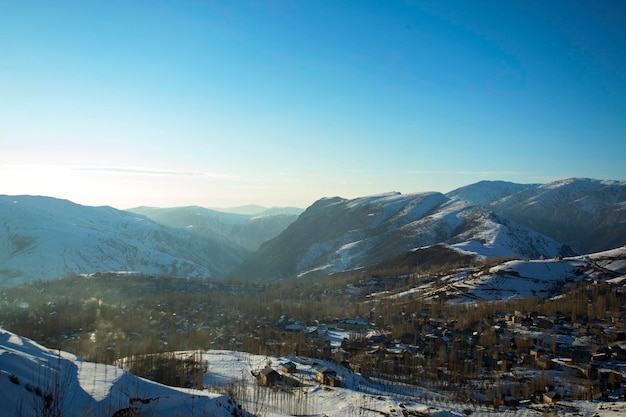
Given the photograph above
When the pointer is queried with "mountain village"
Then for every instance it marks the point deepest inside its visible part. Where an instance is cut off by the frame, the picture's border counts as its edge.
(417, 305)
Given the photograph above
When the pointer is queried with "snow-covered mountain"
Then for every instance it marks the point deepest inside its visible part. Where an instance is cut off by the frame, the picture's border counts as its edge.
(588, 215)
(248, 231)
(484, 193)
(46, 238)
(36, 381)
(336, 234)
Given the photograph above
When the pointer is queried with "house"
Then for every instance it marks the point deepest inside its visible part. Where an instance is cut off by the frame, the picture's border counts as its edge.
(356, 368)
(268, 377)
(323, 374)
(289, 367)
(550, 397)
(480, 398)
(378, 338)
(592, 392)
(536, 351)
(544, 362)
(543, 323)
(333, 381)
(610, 379)
(289, 381)
(353, 324)
(510, 400)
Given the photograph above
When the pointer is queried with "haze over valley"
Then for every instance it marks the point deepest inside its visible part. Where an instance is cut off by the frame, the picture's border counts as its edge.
(151, 289)
(321, 208)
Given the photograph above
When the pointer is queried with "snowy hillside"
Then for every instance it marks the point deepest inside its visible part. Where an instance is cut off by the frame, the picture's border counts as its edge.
(36, 381)
(484, 193)
(523, 278)
(588, 215)
(46, 238)
(337, 234)
(480, 231)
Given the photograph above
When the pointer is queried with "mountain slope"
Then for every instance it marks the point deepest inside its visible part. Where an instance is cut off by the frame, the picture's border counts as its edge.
(36, 381)
(45, 238)
(336, 234)
(484, 193)
(520, 279)
(244, 230)
(588, 215)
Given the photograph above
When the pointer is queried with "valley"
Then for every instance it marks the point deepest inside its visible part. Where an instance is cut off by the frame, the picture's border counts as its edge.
(409, 335)
(414, 305)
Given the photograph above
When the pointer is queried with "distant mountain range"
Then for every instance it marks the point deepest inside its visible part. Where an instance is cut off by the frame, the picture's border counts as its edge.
(246, 227)
(46, 238)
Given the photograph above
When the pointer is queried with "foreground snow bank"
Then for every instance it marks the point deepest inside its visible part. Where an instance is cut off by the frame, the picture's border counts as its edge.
(37, 381)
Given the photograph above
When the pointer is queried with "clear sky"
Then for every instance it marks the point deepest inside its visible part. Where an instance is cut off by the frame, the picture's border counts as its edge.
(225, 103)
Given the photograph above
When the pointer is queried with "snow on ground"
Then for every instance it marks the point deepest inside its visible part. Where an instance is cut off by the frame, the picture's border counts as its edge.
(47, 238)
(514, 279)
(28, 372)
(38, 381)
(475, 247)
(614, 259)
(522, 278)
(357, 396)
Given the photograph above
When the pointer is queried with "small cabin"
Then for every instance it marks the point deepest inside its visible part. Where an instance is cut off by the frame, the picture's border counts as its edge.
(289, 367)
(289, 381)
(268, 377)
(325, 375)
(332, 381)
(550, 397)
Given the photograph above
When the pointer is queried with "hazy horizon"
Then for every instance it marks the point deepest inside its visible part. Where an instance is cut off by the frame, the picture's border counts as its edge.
(238, 207)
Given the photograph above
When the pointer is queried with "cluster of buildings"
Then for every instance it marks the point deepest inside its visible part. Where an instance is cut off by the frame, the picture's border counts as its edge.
(506, 358)
(270, 377)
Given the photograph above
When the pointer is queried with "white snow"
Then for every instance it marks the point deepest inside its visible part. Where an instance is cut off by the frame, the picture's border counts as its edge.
(46, 238)
(100, 390)
(29, 372)
(518, 278)
(392, 223)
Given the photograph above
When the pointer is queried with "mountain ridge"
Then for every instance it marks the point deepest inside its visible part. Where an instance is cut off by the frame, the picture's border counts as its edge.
(47, 238)
(586, 214)
(336, 234)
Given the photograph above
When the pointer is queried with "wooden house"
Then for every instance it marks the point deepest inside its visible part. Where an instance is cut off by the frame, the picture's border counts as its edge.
(550, 397)
(333, 381)
(324, 375)
(268, 377)
(289, 381)
(610, 379)
(289, 367)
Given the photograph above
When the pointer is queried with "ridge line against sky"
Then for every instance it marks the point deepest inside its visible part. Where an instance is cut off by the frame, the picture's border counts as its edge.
(281, 103)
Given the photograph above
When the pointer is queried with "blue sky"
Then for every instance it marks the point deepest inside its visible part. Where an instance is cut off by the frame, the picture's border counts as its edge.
(224, 103)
